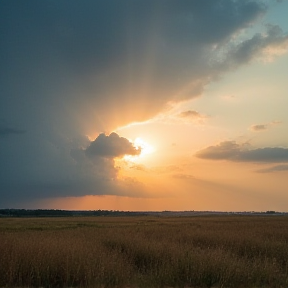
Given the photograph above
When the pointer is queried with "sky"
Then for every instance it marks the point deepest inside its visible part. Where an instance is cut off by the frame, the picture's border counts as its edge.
(144, 105)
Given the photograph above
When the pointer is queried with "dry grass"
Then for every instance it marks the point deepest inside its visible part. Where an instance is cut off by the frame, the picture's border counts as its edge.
(227, 251)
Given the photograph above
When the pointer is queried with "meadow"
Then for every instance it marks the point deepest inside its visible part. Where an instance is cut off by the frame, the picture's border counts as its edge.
(203, 251)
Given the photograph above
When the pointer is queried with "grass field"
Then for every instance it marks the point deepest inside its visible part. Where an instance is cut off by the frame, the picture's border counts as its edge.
(211, 251)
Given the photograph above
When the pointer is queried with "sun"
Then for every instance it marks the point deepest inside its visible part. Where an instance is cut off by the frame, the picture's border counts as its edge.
(145, 147)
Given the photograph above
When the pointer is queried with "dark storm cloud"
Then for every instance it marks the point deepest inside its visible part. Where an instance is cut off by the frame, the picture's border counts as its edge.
(111, 146)
(74, 68)
(66, 53)
(230, 150)
(49, 170)
(5, 131)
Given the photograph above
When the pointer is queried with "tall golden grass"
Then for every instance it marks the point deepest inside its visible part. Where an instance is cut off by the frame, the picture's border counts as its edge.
(226, 251)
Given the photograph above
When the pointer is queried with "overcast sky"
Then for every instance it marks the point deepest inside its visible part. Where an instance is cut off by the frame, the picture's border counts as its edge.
(144, 105)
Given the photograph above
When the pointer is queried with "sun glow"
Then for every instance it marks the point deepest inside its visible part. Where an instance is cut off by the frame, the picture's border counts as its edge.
(146, 149)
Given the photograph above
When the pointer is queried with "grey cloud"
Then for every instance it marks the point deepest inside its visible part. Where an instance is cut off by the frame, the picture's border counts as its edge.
(259, 127)
(277, 168)
(199, 28)
(111, 146)
(230, 150)
(267, 154)
(191, 114)
(224, 150)
(257, 46)
(50, 169)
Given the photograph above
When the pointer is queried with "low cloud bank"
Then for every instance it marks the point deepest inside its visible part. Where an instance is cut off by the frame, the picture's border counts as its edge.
(232, 151)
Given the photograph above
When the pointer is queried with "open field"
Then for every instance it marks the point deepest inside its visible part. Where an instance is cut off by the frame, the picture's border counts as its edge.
(212, 251)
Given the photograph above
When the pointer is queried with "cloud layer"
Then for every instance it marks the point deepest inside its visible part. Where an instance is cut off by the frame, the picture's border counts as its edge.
(102, 65)
(232, 151)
